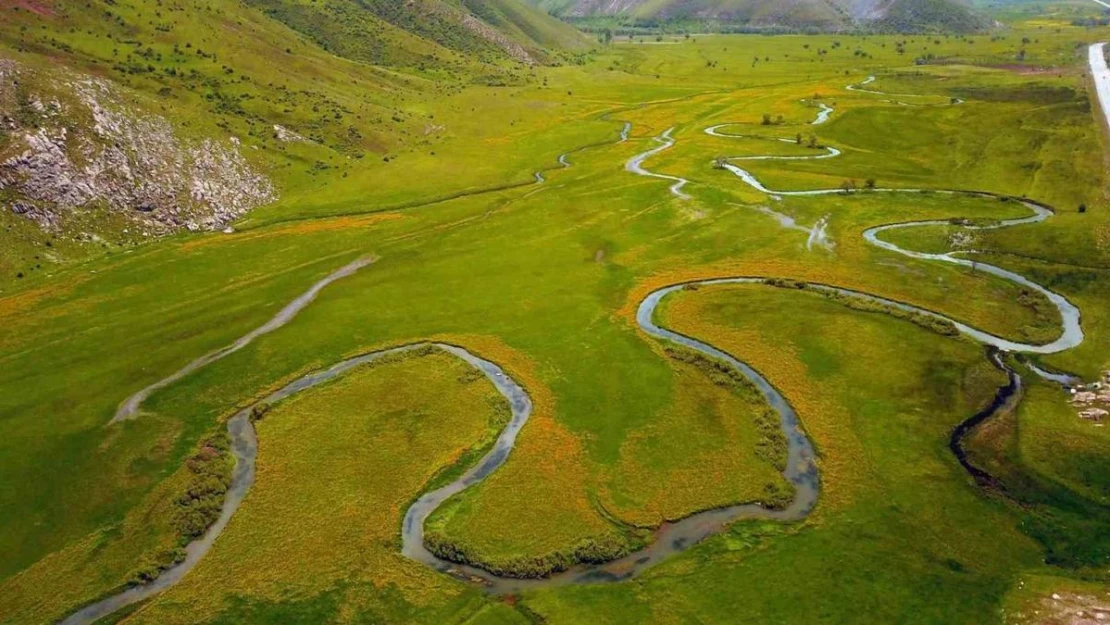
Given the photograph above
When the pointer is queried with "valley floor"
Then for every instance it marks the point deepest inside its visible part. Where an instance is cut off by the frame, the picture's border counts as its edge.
(664, 358)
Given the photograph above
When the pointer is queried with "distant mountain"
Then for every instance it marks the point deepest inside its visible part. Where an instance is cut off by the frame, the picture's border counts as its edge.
(925, 15)
(389, 32)
(894, 15)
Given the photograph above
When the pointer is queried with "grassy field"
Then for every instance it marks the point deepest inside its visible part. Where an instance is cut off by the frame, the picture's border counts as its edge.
(373, 440)
(878, 397)
(543, 279)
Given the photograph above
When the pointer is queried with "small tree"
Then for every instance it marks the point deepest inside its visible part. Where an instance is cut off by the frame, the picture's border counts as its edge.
(848, 186)
(766, 119)
(1082, 208)
(720, 162)
(870, 183)
(812, 141)
(798, 139)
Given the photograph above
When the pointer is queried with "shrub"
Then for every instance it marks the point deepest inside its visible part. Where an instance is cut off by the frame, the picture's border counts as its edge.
(199, 505)
(258, 411)
(593, 550)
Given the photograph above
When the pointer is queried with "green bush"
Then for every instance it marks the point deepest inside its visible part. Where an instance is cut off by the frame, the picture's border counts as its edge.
(199, 505)
(594, 550)
(929, 322)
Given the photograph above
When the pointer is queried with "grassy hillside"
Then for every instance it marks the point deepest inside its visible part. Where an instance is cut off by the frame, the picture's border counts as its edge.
(518, 18)
(297, 91)
(930, 16)
(828, 15)
(425, 33)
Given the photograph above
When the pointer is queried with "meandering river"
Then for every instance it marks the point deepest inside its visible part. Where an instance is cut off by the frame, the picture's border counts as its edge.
(801, 468)
(636, 164)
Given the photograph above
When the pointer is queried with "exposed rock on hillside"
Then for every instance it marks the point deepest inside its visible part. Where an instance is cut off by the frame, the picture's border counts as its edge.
(492, 35)
(283, 134)
(71, 143)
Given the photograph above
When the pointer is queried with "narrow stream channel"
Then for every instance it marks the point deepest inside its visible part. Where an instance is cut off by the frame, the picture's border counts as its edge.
(130, 406)
(636, 164)
(670, 538)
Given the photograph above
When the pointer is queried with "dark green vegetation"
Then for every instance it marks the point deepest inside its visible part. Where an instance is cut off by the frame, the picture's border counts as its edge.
(588, 550)
(1062, 502)
(940, 326)
(198, 505)
(436, 181)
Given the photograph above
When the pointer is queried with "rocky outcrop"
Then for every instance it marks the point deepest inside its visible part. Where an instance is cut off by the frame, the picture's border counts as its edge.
(73, 143)
(497, 38)
(283, 134)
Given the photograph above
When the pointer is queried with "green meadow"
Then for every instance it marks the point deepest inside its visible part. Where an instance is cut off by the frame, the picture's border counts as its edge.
(544, 280)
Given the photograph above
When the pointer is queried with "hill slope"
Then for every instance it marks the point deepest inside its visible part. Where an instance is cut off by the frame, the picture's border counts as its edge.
(898, 15)
(405, 33)
(162, 115)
